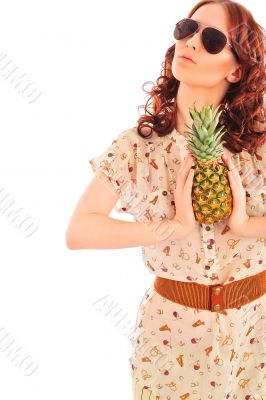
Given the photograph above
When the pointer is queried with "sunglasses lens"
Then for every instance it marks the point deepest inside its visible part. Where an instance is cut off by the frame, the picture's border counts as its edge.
(184, 28)
(213, 40)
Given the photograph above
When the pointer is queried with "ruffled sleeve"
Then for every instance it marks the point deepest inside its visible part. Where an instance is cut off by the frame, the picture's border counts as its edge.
(117, 163)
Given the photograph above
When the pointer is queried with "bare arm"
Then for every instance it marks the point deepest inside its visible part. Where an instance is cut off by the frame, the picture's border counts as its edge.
(96, 231)
(254, 227)
(91, 228)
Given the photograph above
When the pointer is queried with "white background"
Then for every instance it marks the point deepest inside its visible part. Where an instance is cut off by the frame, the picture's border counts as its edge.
(88, 62)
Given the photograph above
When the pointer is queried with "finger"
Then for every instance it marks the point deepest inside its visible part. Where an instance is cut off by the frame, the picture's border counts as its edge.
(188, 159)
(224, 159)
(230, 164)
(227, 161)
(235, 176)
(236, 183)
(232, 180)
(188, 171)
(189, 182)
(182, 176)
(233, 171)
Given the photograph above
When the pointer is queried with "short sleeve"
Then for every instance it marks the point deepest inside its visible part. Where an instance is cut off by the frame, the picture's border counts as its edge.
(261, 159)
(116, 162)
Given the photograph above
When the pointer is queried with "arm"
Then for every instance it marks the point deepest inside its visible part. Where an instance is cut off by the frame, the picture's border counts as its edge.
(98, 231)
(239, 221)
(91, 227)
(254, 227)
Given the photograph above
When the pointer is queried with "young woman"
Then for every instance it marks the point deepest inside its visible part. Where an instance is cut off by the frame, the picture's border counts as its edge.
(200, 328)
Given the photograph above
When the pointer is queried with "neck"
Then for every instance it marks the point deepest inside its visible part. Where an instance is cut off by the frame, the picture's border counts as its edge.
(186, 96)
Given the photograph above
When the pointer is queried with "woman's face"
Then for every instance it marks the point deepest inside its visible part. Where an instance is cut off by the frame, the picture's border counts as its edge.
(210, 69)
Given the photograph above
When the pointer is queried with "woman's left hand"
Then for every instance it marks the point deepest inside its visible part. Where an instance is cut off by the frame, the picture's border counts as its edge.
(238, 218)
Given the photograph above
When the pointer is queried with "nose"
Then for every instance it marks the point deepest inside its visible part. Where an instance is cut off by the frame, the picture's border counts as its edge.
(194, 41)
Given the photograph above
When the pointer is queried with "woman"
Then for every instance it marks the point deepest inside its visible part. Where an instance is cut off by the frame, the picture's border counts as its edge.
(180, 351)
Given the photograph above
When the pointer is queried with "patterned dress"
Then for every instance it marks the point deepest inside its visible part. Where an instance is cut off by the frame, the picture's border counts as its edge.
(178, 352)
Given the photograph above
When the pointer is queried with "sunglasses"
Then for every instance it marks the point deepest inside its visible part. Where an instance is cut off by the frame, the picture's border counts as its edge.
(214, 40)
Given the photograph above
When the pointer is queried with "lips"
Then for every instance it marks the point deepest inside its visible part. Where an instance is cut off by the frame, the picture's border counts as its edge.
(188, 58)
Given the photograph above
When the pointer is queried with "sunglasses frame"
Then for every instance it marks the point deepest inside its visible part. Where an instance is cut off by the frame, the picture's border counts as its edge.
(199, 29)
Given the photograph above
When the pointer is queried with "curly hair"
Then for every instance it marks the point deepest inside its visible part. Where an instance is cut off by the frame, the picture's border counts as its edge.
(243, 106)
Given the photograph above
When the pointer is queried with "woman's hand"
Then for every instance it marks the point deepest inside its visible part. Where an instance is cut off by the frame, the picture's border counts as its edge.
(238, 218)
(184, 217)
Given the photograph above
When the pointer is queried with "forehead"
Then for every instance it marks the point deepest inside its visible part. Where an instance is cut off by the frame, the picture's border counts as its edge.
(214, 15)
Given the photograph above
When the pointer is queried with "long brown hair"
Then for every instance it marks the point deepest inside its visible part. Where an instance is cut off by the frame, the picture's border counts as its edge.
(243, 104)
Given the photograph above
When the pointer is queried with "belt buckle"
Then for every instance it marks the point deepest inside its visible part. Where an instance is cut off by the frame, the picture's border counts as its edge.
(217, 298)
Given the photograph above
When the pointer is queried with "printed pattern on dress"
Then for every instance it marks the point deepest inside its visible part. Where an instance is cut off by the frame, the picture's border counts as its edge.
(181, 353)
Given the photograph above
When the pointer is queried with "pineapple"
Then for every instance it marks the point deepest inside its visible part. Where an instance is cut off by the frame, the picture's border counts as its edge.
(211, 192)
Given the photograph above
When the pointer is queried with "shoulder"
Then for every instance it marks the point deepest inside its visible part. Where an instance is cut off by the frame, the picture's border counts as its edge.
(127, 139)
(130, 140)
(131, 135)
(261, 152)
(260, 156)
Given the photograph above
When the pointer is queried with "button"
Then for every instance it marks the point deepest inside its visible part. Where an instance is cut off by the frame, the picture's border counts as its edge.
(208, 228)
(217, 307)
(209, 246)
(164, 192)
(217, 290)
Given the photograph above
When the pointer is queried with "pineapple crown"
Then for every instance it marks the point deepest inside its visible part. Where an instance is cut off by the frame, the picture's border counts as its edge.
(204, 141)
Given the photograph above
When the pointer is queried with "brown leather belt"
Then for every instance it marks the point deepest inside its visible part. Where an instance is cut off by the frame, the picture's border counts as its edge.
(216, 298)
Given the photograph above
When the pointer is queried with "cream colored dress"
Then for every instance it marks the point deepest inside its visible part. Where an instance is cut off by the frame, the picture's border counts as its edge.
(179, 352)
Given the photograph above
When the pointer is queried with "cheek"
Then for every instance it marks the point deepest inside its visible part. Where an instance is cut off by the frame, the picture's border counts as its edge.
(210, 69)
(218, 64)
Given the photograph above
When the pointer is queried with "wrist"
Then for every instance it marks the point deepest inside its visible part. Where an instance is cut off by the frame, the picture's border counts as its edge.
(245, 227)
(180, 229)
(241, 227)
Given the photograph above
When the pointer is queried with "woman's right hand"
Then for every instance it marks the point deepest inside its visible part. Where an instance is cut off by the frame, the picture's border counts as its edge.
(184, 219)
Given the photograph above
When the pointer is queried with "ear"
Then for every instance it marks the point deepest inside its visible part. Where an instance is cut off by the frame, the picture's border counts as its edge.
(236, 75)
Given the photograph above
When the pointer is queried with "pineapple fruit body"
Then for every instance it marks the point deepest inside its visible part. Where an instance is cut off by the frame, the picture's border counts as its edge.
(211, 192)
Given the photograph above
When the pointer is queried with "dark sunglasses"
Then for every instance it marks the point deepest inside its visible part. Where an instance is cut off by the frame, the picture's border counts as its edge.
(213, 39)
